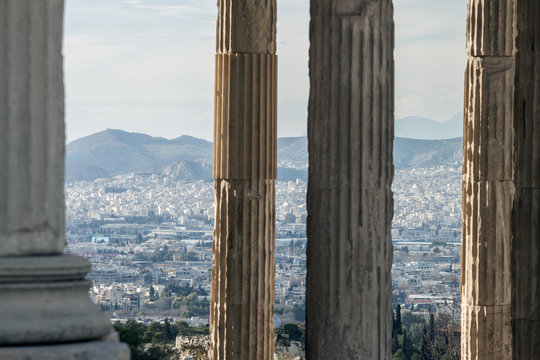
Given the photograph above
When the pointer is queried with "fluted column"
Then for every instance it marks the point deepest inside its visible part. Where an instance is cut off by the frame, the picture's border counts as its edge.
(245, 148)
(501, 240)
(488, 187)
(350, 206)
(32, 136)
(43, 293)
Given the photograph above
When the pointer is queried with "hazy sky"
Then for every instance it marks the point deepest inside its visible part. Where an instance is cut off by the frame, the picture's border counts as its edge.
(148, 65)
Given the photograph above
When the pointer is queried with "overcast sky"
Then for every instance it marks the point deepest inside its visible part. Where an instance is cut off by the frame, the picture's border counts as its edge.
(148, 65)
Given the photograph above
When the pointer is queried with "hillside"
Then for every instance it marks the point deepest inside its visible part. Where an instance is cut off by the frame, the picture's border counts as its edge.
(293, 152)
(113, 152)
(414, 153)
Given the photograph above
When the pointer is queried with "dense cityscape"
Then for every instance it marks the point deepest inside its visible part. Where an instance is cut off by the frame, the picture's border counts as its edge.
(149, 238)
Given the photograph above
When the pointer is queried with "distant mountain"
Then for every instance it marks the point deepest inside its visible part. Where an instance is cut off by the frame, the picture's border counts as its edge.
(292, 152)
(113, 152)
(414, 127)
(414, 153)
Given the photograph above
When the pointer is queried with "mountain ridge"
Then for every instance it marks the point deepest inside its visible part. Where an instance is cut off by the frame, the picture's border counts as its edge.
(421, 128)
(113, 152)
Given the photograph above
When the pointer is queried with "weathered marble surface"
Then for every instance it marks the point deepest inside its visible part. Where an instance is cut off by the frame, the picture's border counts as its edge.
(349, 201)
(245, 134)
(501, 175)
(246, 27)
(32, 128)
(245, 149)
(43, 293)
(46, 301)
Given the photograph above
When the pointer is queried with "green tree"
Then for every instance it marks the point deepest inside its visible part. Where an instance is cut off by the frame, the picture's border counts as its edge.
(294, 332)
(425, 347)
(184, 329)
(395, 342)
(151, 330)
(177, 302)
(398, 355)
(405, 346)
(431, 338)
(153, 295)
(191, 300)
(131, 334)
(167, 330)
(157, 352)
(159, 338)
(397, 327)
(431, 335)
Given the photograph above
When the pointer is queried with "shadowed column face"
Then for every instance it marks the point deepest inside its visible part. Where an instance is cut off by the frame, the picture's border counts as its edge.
(526, 211)
(350, 207)
(245, 148)
(501, 241)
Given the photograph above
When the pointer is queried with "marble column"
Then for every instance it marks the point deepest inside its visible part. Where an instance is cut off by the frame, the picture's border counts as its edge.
(245, 148)
(501, 240)
(349, 201)
(43, 293)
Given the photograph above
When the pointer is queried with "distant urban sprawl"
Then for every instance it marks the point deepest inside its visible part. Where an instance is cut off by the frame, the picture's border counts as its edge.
(149, 237)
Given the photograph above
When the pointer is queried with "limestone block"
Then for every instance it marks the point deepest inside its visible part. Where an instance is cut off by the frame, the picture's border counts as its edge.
(488, 131)
(243, 274)
(246, 26)
(31, 128)
(487, 242)
(245, 133)
(192, 347)
(51, 307)
(92, 350)
(490, 28)
(486, 332)
(527, 123)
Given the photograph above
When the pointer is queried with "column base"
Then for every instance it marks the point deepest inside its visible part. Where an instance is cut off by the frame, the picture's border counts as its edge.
(98, 350)
(44, 300)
